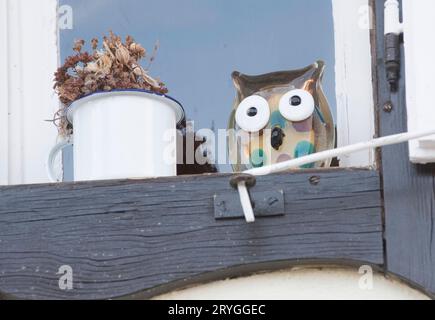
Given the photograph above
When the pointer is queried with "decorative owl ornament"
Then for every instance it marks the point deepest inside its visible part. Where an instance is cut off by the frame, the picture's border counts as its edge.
(278, 117)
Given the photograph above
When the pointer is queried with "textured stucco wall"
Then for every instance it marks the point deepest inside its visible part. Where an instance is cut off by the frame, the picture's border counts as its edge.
(301, 283)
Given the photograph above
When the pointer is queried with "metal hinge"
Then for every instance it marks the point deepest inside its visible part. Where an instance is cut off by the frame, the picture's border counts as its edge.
(393, 38)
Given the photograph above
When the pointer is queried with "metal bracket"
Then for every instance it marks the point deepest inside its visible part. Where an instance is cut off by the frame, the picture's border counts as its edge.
(265, 204)
(393, 37)
(392, 60)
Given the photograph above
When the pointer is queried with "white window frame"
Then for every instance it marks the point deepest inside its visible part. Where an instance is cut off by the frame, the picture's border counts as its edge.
(28, 59)
(418, 28)
(353, 21)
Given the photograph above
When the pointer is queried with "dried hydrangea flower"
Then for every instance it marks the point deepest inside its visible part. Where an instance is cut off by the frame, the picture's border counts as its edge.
(114, 66)
(94, 43)
(122, 54)
(78, 45)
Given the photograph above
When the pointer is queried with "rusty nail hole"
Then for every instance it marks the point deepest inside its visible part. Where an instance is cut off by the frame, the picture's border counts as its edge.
(315, 180)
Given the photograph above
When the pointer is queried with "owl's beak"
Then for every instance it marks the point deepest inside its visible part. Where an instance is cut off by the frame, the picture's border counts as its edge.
(277, 138)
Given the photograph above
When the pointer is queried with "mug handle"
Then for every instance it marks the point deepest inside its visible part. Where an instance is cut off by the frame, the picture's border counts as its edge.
(53, 154)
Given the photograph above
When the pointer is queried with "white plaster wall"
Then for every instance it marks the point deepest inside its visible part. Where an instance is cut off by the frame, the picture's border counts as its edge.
(300, 284)
(28, 60)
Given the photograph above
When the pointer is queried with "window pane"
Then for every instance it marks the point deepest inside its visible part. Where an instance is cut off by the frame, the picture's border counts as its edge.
(203, 42)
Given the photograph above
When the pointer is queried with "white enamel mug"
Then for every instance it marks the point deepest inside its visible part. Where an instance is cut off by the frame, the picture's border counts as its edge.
(122, 134)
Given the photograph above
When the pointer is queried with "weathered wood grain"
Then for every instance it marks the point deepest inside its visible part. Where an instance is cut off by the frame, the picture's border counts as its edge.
(139, 238)
(409, 192)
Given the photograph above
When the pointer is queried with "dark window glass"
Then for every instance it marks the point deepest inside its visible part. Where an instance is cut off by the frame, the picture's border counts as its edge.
(203, 41)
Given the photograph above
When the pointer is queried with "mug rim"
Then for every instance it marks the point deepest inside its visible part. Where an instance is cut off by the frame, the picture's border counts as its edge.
(176, 105)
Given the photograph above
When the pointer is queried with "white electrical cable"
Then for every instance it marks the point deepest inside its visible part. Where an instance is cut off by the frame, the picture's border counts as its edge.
(246, 202)
(320, 156)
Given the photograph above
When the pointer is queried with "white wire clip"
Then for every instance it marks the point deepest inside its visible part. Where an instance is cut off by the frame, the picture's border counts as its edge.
(245, 200)
(247, 178)
(242, 182)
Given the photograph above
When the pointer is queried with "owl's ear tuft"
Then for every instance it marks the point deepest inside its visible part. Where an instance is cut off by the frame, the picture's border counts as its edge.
(243, 84)
(236, 76)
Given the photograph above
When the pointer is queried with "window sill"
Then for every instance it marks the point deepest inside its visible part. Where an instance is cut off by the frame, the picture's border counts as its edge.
(139, 238)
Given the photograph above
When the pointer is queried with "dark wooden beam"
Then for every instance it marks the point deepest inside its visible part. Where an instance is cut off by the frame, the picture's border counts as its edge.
(140, 238)
(408, 189)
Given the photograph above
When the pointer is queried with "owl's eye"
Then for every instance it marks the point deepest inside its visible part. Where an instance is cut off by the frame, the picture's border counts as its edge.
(253, 114)
(297, 105)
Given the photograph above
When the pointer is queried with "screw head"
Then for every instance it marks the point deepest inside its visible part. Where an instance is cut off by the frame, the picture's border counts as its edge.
(388, 107)
(315, 180)
(272, 200)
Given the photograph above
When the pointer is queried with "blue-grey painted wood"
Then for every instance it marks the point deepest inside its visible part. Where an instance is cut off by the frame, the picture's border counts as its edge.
(409, 191)
(140, 238)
